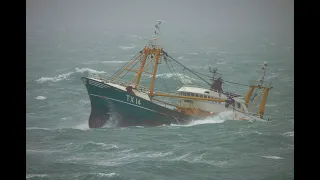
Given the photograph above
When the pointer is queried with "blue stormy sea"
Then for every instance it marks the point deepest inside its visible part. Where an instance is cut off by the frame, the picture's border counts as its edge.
(59, 144)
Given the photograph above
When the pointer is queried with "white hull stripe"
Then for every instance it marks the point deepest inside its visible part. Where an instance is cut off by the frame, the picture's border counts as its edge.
(98, 84)
(127, 103)
(94, 82)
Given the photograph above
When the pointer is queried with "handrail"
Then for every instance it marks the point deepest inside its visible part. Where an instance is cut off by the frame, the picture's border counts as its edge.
(107, 79)
(122, 82)
(223, 92)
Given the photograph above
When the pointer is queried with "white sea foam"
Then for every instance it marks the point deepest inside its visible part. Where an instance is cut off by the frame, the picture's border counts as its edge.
(272, 157)
(182, 156)
(159, 154)
(127, 156)
(112, 62)
(108, 146)
(180, 57)
(66, 118)
(41, 97)
(83, 127)
(28, 176)
(272, 76)
(219, 118)
(198, 159)
(67, 75)
(106, 175)
(82, 70)
(288, 134)
(36, 128)
(126, 47)
(182, 77)
(258, 132)
(84, 102)
(54, 79)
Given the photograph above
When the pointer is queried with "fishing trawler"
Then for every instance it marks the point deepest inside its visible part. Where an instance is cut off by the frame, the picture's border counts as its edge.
(129, 103)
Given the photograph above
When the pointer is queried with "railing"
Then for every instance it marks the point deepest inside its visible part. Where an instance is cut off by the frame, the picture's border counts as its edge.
(121, 82)
(232, 95)
(141, 88)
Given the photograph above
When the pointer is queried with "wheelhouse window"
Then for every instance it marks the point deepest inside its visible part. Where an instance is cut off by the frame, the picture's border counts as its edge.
(239, 106)
(206, 92)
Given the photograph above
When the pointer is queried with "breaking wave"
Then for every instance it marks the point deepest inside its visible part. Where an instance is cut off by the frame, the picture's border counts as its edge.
(82, 70)
(84, 126)
(219, 118)
(54, 79)
(67, 75)
(178, 76)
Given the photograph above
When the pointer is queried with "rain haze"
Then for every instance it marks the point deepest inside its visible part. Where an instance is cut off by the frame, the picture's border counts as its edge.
(68, 39)
(214, 19)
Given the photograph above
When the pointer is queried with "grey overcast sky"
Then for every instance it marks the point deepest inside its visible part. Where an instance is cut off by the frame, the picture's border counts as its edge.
(271, 14)
(237, 17)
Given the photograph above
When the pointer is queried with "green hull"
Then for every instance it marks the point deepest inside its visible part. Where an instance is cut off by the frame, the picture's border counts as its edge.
(112, 104)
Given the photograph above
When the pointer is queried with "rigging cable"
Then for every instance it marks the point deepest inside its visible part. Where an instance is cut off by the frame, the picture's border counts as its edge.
(187, 68)
(195, 73)
(176, 74)
(222, 80)
(125, 64)
(130, 69)
(164, 82)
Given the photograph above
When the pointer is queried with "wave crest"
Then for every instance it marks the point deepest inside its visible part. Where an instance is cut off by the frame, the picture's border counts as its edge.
(67, 75)
(178, 76)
